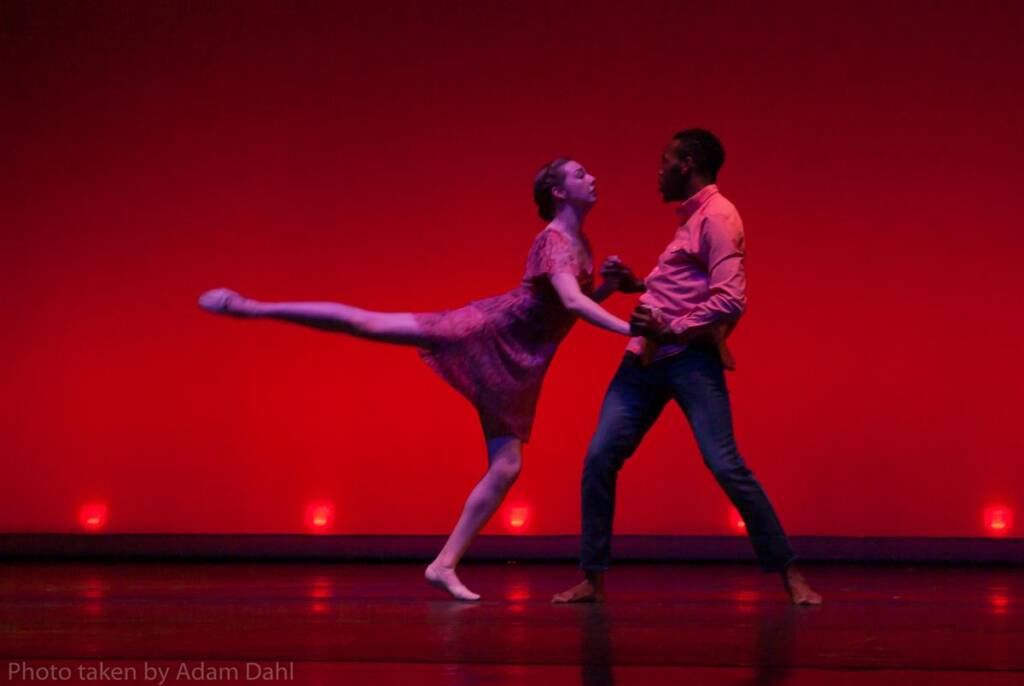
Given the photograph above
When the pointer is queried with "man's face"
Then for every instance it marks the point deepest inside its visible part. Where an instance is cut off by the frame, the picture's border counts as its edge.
(672, 175)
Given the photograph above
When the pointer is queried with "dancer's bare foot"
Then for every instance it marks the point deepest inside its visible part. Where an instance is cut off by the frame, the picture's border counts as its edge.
(590, 590)
(799, 591)
(225, 301)
(445, 579)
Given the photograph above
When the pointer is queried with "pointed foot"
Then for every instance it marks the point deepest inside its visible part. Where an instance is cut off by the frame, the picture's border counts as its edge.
(446, 579)
(224, 301)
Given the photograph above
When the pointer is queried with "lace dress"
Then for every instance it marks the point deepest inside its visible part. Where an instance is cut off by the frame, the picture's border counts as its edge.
(495, 351)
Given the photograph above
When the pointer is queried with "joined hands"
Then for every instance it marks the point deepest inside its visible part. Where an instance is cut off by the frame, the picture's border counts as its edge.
(620, 277)
(651, 325)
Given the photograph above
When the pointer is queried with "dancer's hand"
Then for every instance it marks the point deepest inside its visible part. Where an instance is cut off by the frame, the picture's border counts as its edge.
(649, 324)
(620, 277)
(225, 301)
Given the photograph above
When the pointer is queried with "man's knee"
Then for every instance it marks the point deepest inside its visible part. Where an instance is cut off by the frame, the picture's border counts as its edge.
(728, 466)
(605, 457)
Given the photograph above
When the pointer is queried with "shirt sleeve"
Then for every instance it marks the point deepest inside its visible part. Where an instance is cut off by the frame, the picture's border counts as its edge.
(722, 250)
(553, 253)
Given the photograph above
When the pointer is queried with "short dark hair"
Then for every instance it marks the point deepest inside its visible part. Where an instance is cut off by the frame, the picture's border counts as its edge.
(704, 148)
(549, 176)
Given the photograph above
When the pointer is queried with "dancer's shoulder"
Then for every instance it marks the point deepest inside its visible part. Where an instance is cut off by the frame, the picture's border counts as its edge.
(552, 251)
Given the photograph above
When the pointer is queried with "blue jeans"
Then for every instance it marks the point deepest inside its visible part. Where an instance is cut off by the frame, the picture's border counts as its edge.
(695, 379)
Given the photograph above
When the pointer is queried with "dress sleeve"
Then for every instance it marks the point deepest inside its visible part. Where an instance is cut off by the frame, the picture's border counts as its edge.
(552, 253)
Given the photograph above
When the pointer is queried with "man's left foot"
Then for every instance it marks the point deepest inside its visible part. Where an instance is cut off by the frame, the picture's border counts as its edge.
(799, 591)
(583, 592)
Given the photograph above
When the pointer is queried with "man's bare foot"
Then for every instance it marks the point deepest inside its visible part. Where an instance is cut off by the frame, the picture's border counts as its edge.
(445, 579)
(225, 301)
(583, 592)
(799, 591)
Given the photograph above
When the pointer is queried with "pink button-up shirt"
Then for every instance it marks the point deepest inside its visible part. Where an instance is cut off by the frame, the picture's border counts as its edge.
(699, 278)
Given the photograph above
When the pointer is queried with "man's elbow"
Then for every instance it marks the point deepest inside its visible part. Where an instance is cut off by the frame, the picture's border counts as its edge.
(731, 305)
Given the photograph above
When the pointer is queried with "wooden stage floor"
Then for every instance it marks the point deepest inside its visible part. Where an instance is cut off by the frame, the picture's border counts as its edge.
(348, 623)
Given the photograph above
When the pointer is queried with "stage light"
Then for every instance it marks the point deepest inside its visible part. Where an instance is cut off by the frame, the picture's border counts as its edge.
(320, 516)
(320, 591)
(518, 593)
(94, 590)
(736, 521)
(746, 600)
(518, 518)
(999, 602)
(998, 520)
(321, 588)
(92, 516)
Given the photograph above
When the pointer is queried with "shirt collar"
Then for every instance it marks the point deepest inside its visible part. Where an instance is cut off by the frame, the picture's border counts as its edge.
(689, 207)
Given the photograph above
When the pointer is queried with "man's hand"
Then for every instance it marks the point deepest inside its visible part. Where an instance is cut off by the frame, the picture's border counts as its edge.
(620, 277)
(648, 324)
(651, 326)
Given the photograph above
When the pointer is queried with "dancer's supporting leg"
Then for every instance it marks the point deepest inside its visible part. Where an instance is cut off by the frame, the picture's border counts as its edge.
(700, 389)
(504, 456)
(634, 400)
(388, 327)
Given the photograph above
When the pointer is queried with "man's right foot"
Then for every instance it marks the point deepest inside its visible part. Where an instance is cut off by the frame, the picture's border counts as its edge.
(445, 579)
(583, 592)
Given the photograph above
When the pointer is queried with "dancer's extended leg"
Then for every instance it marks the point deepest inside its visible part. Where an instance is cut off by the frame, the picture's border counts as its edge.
(505, 459)
(389, 327)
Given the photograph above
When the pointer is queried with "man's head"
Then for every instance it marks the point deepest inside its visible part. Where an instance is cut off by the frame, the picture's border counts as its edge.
(690, 161)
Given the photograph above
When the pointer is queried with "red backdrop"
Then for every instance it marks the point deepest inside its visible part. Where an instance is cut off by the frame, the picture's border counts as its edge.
(382, 155)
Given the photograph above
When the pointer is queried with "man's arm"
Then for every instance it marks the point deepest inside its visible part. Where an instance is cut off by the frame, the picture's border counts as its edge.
(722, 250)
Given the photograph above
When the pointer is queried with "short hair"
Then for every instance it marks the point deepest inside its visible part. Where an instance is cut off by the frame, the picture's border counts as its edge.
(549, 176)
(704, 148)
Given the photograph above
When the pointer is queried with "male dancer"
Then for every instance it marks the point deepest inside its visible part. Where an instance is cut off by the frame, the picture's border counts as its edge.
(694, 297)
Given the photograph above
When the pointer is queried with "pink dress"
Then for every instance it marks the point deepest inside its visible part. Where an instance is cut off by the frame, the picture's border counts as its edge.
(495, 351)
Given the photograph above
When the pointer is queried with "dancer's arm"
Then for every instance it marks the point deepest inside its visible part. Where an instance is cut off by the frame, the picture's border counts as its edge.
(602, 292)
(577, 302)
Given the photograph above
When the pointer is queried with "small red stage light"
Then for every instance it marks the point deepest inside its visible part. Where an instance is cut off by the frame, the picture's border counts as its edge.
(320, 517)
(736, 521)
(518, 517)
(998, 520)
(92, 516)
(999, 603)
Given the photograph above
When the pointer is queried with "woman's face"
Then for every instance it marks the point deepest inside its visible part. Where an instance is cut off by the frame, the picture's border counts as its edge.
(578, 187)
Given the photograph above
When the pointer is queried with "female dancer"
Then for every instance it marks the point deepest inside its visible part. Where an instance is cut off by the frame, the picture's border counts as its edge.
(494, 351)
